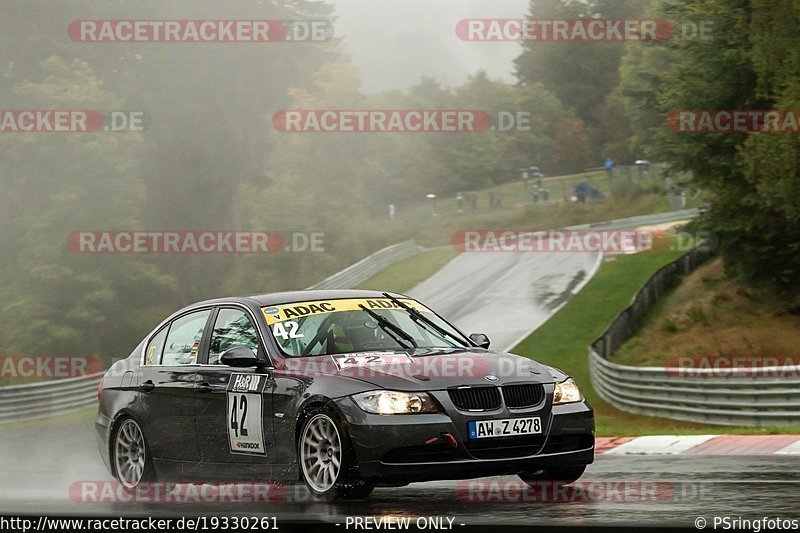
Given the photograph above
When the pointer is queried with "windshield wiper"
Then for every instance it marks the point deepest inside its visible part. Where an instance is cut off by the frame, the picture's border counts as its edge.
(389, 327)
(418, 317)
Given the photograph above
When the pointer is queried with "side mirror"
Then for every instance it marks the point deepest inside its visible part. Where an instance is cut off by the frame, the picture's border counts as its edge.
(239, 357)
(480, 339)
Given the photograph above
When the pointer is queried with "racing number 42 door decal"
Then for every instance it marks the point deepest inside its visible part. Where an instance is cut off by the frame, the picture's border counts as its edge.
(245, 418)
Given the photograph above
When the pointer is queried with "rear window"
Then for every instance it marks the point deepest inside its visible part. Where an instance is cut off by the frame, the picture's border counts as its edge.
(152, 354)
(183, 340)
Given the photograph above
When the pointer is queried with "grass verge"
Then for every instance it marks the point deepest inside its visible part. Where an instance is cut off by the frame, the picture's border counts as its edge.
(709, 315)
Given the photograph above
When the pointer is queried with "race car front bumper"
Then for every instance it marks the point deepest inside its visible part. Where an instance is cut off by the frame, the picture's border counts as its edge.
(423, 447)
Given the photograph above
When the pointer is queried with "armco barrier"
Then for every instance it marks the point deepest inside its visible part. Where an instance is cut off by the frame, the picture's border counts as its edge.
(368, 267)
(40, 400)
(698, 395)
(685, 394)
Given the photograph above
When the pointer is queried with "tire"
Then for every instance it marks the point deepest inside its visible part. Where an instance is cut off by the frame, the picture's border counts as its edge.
(133, 464)
(327, 462)
(559, 476)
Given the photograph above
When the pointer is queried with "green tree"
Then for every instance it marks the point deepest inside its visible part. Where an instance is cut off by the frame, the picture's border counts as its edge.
(57, 301)
(751, 63)
(582, 74)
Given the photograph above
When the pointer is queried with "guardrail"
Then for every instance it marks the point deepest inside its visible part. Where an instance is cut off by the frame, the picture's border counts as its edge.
(698, 395)
(685, 394)
(368, 267)
(40, 400)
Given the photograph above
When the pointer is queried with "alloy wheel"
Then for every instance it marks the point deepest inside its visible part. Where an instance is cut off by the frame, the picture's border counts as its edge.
(321, 453)
(129, 453)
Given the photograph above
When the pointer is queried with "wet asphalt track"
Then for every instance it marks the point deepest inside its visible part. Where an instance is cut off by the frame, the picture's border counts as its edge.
(656, 490)
(505, 295)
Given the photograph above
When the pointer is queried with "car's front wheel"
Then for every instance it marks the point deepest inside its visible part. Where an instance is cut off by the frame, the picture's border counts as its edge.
(559, 476)
(132, 462)
(326, 457)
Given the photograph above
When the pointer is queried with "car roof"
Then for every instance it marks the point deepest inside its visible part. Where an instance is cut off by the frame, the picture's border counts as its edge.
(278, 298)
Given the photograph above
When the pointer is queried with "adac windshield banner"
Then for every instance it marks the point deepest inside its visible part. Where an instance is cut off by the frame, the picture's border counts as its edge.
(279, 313)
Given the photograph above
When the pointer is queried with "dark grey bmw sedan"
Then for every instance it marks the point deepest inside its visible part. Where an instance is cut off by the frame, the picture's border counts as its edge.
(341, 390)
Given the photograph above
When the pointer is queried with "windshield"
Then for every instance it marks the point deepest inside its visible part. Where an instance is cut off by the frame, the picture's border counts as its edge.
(329, 327)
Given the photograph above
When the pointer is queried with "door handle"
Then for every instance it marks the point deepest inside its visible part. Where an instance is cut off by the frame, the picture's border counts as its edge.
(148, 385)
(204, 388)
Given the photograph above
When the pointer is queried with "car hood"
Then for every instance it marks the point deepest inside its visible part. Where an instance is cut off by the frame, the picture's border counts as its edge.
(426, 369)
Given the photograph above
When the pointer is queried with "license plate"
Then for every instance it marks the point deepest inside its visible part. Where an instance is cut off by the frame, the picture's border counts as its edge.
(510, 427)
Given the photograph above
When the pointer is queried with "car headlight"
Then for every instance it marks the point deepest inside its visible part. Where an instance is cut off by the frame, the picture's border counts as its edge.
(566, 392)
(396, 403)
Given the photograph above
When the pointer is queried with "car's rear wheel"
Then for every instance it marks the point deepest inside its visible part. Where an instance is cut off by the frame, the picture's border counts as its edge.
(327, 461)
(559, 476)
(132, 462)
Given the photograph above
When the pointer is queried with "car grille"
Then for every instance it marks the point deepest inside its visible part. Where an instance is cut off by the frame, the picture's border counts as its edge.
(519, 396)
(476, 398)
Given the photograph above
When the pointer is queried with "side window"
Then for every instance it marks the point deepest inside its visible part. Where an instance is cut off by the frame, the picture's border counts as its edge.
(232, 328)
(183, 340)
(152, 354)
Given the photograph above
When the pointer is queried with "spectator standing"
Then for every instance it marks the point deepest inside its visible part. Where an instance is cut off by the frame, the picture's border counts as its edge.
(609, 165)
